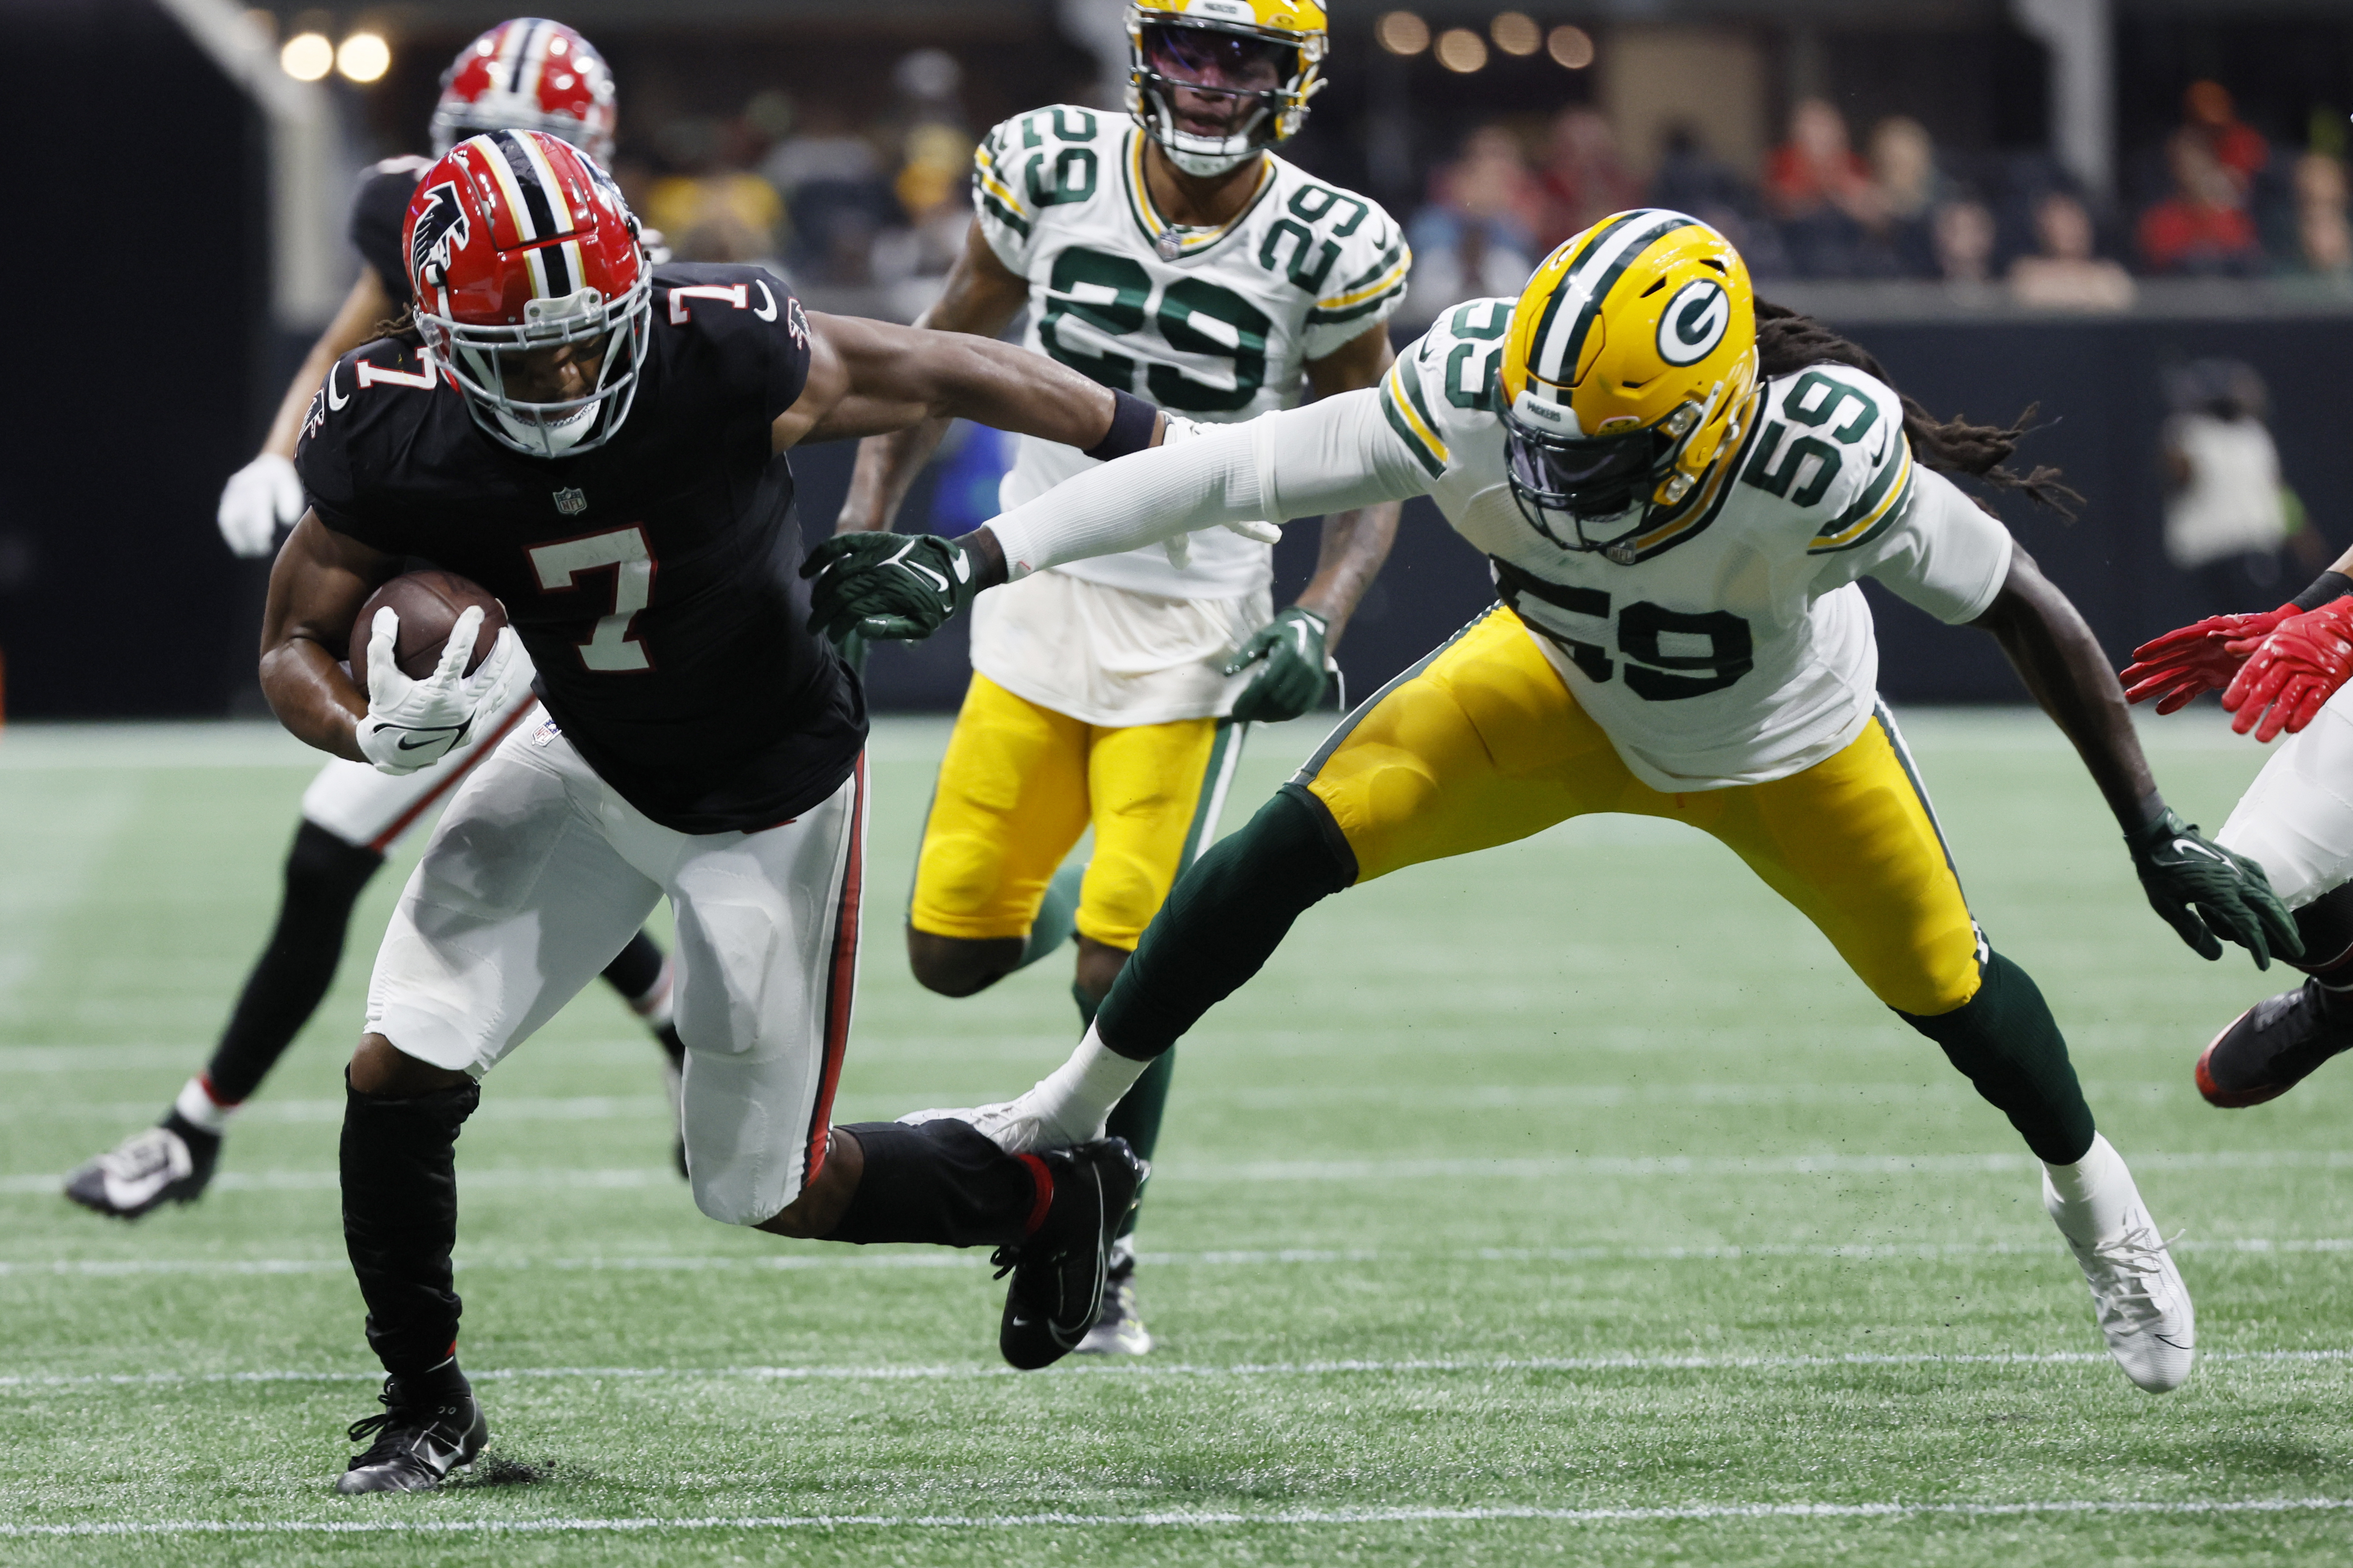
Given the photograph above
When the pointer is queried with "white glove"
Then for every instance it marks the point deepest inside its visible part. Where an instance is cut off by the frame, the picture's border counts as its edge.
(260, 499)
(1179, 547)
(413, 725)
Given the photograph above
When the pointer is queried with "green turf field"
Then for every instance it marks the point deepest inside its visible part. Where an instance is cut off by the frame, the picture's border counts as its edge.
(1565, 1202)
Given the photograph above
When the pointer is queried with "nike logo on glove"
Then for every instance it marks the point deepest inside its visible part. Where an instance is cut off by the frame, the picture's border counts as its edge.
(431, 737)
(2194, 847)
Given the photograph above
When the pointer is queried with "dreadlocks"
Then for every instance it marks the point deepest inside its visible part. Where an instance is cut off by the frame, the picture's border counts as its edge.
(1788, 343)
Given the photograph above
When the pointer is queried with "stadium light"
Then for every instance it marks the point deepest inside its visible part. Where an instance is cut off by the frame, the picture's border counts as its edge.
(1460, 50)
(1402, 33)
(363, 58)
(1570, 46)
(307, 57)
(1515, 33)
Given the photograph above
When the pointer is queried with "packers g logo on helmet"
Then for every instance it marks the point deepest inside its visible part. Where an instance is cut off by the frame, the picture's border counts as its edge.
(1265, 57)
(1626, 379)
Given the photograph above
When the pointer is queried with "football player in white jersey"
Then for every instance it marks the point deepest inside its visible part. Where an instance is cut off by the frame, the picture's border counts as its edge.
(1677, 506)
(1170, 252)
(2283, 669)
(528, 74)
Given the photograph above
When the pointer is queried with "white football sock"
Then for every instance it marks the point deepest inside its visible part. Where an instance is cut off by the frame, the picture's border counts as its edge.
(2095, 1192)
(198, 1107)
(1078, 1096)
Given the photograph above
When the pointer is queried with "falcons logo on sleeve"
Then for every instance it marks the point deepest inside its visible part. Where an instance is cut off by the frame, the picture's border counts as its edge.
(440, 229)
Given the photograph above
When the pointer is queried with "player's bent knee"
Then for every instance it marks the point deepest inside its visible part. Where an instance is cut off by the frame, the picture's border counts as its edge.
(961, 965)
(819, 1206)
(380, 1068)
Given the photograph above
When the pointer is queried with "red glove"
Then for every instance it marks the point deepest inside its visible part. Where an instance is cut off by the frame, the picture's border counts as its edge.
(2180, 665)
(2292, 670)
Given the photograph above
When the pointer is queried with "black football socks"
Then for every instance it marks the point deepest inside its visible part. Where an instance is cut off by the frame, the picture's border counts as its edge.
(942, 1183)
(2005, 1041)
(400, 1219)
(323, 879)
(1226, 916)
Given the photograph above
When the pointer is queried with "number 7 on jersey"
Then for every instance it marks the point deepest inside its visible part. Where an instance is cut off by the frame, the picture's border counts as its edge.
(623, 550)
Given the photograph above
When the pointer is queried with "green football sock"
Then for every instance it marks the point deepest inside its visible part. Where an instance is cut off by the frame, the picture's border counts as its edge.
(1057, 916)
(1136, 1117)
(2006, 1042)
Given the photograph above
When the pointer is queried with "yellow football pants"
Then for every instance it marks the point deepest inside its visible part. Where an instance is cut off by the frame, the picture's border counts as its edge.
(1020, 783)
(1482, 744)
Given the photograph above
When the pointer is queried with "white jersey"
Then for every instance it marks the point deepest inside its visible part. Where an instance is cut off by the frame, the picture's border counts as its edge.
(1214, 324)
(1729, 643)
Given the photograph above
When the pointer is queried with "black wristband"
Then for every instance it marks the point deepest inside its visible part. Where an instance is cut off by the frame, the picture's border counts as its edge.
(2326, 589)
(1133, 420)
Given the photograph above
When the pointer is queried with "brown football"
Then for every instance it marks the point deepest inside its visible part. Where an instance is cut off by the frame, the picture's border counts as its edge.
(429, 605)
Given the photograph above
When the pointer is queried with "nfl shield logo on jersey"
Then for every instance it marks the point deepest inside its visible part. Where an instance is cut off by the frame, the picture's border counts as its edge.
(570, 502)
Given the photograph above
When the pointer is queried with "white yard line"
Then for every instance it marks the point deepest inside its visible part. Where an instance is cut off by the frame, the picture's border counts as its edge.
(1296, 1257)
(546, 1179)
(1207, 1373)
(1195, 1519)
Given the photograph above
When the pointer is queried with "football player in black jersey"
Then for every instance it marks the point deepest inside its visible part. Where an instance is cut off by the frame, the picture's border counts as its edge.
(601, 445)
(523, 74)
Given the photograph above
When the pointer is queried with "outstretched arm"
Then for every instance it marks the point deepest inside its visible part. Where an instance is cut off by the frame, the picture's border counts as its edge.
(868, 378)
(2062, 665)
(265, 496)
(981, 297)
(1355, 540)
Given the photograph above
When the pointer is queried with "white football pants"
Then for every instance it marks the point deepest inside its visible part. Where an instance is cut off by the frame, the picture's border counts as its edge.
(537, 875)
(2296, 819)
(372, 810)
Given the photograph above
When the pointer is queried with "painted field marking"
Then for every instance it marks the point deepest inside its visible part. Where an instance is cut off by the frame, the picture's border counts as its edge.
(1190, 1519)
(790, 1263)
(1361, 1171)
(1245, 1371)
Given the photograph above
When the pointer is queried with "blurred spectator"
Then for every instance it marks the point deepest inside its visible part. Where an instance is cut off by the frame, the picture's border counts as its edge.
(2324, 236)
(709, 208)
(1906, 185)
(1584, 180)
(1962, 230)
(1821, 193)
(1477, 235)
(2063, 274)
(934, 190)
(1691, 179)
(2209, 113)
(2202, 227)
(833, 183)
(2227, 514)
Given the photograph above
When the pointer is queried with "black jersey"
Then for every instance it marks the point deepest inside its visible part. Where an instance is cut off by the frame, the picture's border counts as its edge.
(655, 579)
(379, 207)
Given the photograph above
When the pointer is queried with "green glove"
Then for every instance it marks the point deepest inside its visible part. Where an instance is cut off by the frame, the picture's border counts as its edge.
(852, 650)
(2179, 868)
(1293, 680)
(888, 585)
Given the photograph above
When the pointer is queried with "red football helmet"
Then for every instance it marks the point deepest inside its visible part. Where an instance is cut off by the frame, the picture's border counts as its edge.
(519, 247)
(528, 75)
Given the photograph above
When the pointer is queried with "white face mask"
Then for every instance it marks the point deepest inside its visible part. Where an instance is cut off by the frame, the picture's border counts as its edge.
(555, 437)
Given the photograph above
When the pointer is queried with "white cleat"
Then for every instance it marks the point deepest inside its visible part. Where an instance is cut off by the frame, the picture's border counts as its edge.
(2138, 1294)
(1022, 1126)
(152, 1167)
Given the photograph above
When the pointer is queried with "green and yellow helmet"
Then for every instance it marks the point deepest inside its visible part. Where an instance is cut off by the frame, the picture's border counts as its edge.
(1260, 60)
(1627, 377)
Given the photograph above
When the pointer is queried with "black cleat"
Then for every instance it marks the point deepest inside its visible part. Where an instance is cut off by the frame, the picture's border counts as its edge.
(1119, 1324)
(2270, 1048)
(1059, 1271)
(416, 1445)
(168, 1163)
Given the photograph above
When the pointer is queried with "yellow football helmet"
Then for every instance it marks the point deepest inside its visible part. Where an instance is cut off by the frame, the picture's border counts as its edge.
(1627, 375)
(1269, 51)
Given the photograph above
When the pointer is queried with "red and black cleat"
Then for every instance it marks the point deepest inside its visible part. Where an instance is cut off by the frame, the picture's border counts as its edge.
(2270, 1048)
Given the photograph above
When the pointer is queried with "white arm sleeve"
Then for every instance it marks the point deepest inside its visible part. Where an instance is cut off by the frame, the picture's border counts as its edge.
(1329, 456)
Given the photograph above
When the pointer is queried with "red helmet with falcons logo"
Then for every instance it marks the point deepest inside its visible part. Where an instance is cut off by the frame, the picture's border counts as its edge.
(528, 74)
(532, 290)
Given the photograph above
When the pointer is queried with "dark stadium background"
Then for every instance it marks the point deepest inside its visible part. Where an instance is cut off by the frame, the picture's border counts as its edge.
(145, 362)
